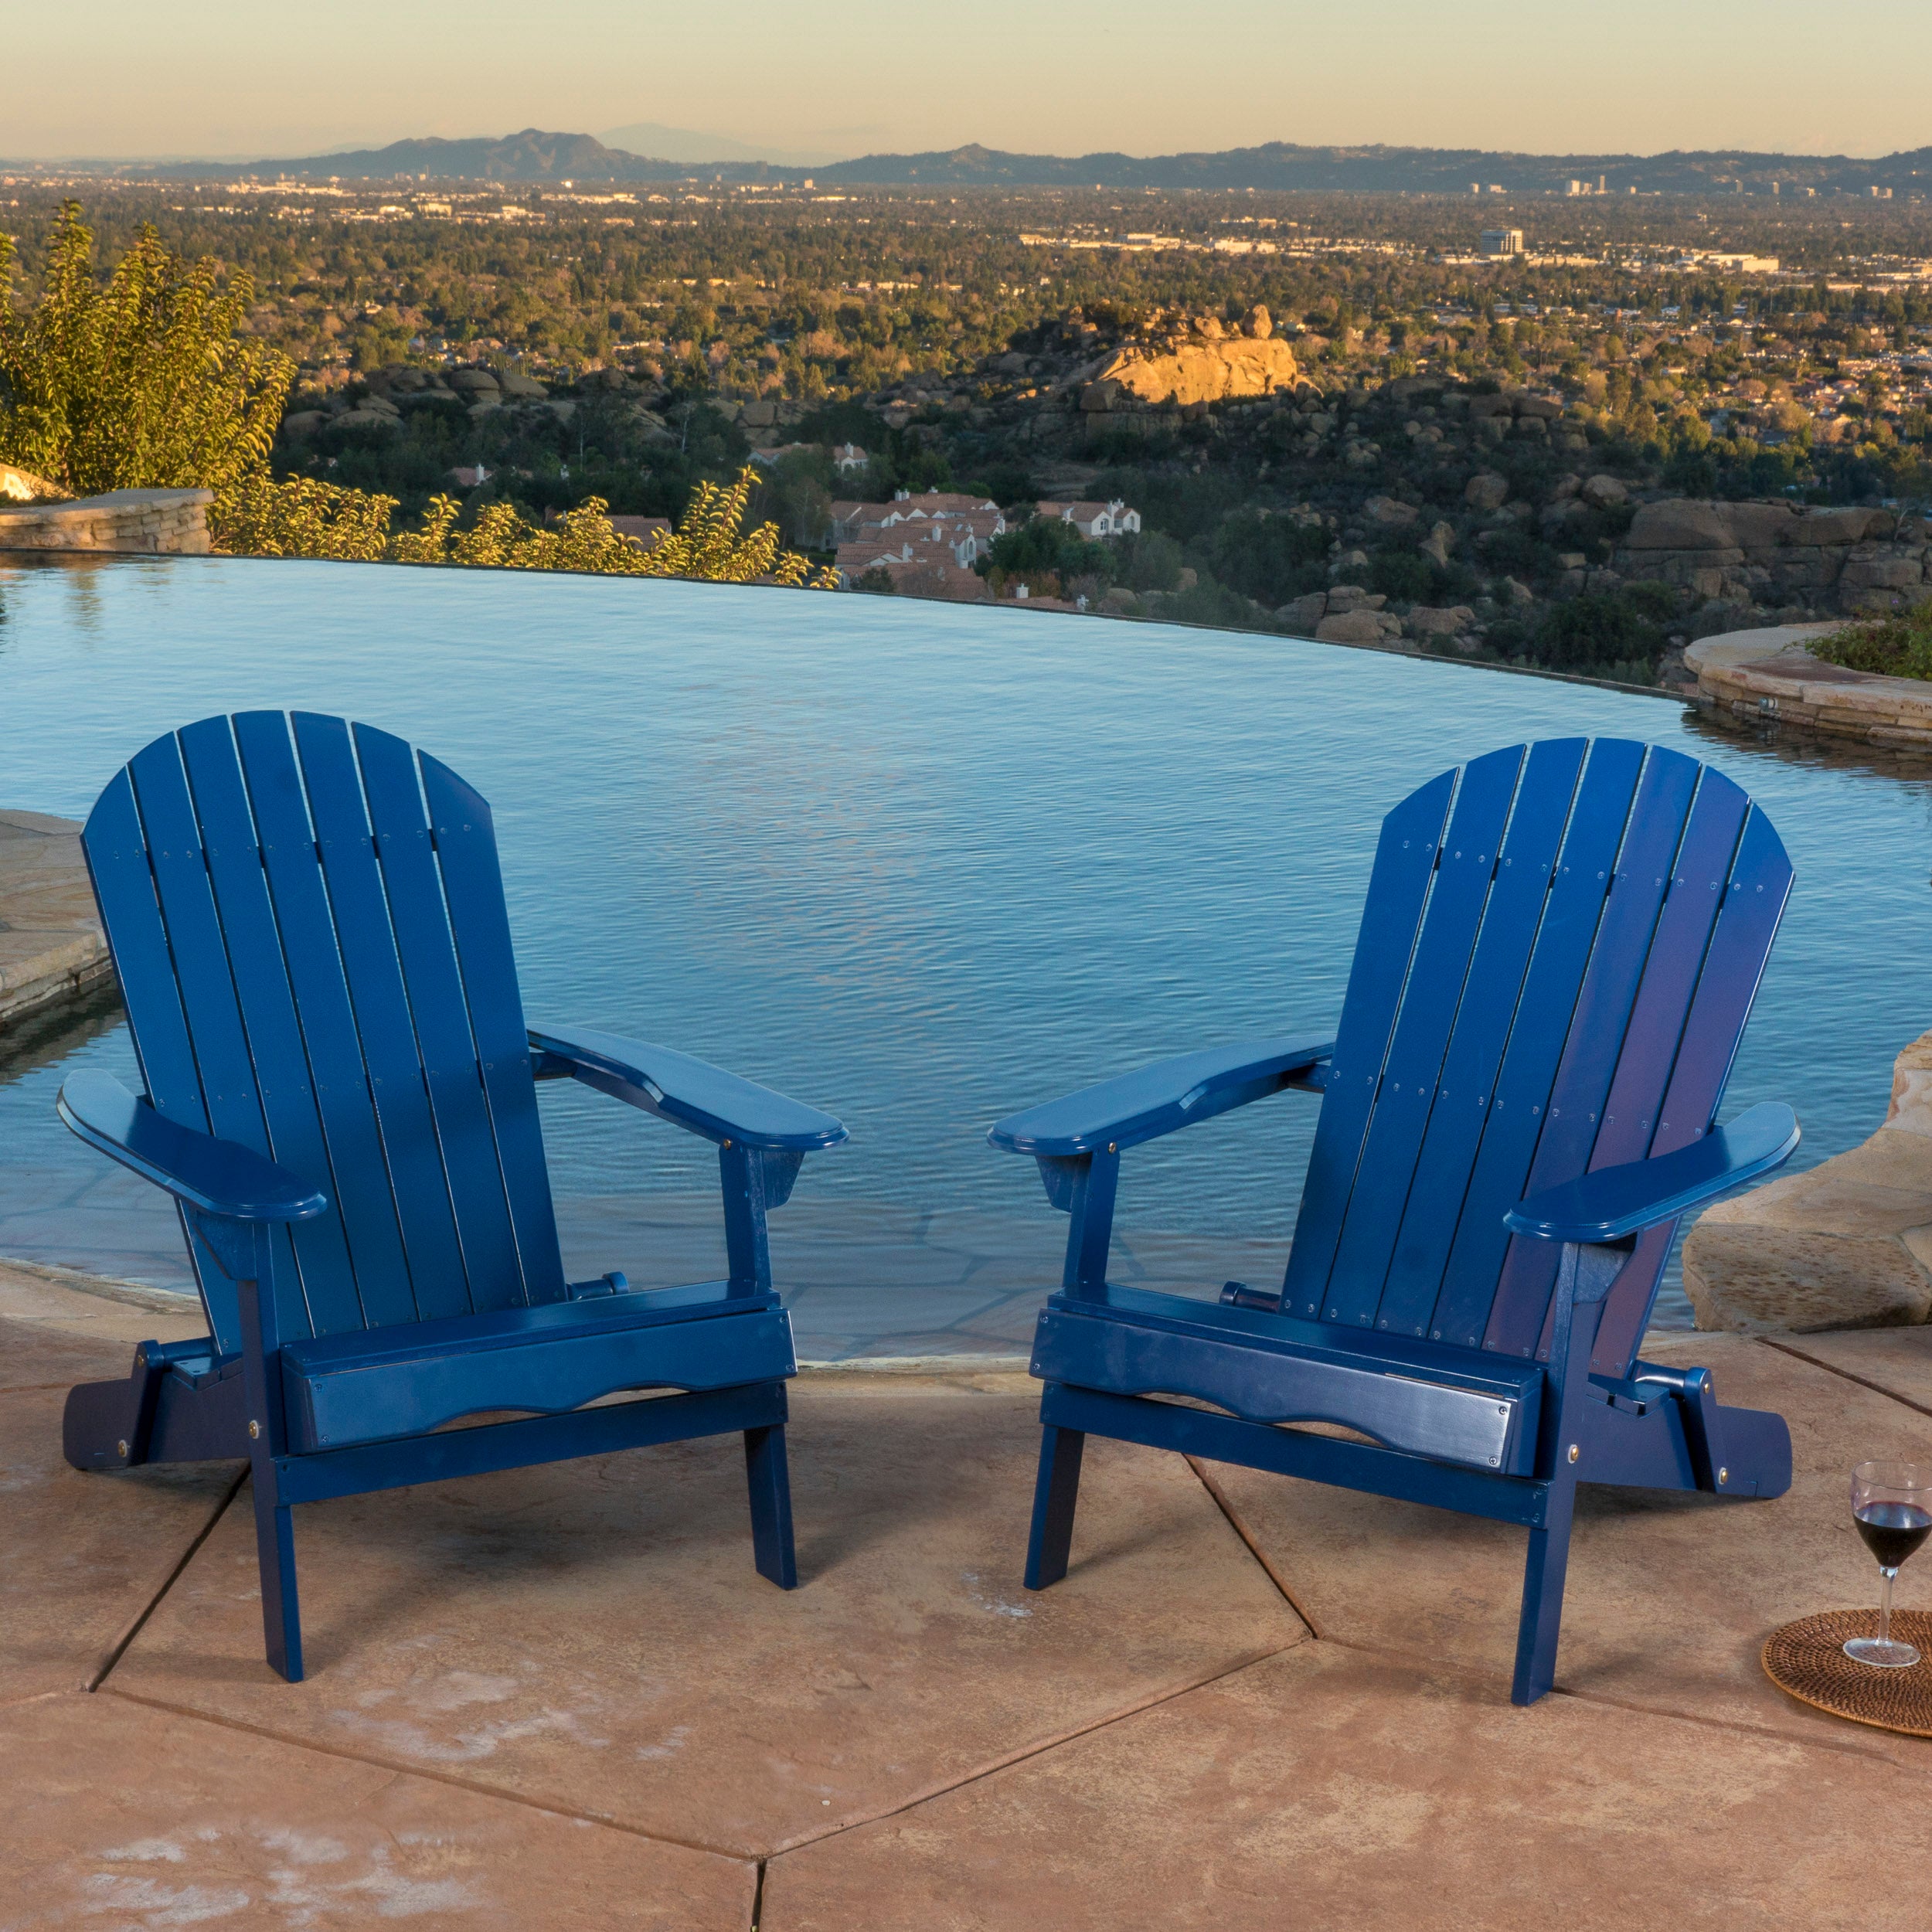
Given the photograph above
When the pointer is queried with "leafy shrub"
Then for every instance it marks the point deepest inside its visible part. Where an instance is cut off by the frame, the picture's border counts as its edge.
(253, 516)
(143, 384)
(1268, 558)
(1049, 544)
(1894, 647)
(303, 518)
(1599, 636)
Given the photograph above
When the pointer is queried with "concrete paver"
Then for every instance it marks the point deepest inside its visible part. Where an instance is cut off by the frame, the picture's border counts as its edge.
(1897, 1360)
(1329, 1789)
(82, 1556)
(593, 1636)
(1670, 1597)
(121, 1816)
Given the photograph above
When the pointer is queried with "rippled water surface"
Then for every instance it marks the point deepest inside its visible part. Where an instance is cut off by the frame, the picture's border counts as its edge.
(918, 864)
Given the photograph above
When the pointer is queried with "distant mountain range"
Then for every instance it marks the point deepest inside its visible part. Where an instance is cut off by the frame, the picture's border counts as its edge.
(534, 155)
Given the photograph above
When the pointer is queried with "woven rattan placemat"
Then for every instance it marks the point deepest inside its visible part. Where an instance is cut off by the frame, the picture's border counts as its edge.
(1808, 1659)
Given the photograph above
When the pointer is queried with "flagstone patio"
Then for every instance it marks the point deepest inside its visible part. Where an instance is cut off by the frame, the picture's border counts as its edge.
(563, 1698)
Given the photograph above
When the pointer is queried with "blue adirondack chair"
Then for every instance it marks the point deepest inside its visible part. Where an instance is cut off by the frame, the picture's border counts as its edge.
(312, 938)
(1559, 947)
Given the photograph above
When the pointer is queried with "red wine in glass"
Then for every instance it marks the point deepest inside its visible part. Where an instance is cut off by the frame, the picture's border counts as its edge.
(1893, 1531)
(1892, 1505)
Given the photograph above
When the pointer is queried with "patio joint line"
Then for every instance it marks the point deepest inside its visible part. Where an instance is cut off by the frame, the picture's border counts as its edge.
(1849, 1746)
(1832, 1368)
(758, 1895)
(475, 1787)
(1273, 1576)
(118, 1649)
(1028, 1751)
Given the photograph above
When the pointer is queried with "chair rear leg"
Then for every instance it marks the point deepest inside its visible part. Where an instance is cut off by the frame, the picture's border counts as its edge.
(1543, 1597)
(771, 1481)
(1056, 1495)
(275, 1552)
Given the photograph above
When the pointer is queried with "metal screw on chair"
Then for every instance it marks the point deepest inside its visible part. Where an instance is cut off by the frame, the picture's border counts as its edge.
(1724, 1475)
(1574, 1452)
(254, 1430)
(121, 1450)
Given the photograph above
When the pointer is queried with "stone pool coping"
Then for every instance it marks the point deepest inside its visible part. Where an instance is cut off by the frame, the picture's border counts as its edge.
(563, 1699)
(52, 949)
(1767, 677)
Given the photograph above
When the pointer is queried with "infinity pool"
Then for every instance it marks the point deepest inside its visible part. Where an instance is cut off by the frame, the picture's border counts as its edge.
(917, 863)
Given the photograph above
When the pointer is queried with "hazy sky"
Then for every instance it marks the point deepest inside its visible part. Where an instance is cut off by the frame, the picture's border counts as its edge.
(239, 77)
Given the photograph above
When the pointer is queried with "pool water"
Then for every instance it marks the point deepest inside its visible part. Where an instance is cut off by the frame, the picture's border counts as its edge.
(917, 863)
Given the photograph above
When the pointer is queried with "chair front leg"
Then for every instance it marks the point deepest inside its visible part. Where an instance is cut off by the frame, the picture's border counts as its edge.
(247, 1254)
(1583, 1281)
(1056, 1495)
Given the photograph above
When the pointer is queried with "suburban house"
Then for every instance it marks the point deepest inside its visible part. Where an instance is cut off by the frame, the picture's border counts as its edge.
(1094, 519)
(848, 456)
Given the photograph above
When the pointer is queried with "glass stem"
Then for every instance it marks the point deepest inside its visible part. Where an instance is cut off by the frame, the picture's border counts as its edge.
(1885, 1606)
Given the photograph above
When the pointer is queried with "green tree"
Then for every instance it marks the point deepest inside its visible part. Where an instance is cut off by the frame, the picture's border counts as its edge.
(144, 383)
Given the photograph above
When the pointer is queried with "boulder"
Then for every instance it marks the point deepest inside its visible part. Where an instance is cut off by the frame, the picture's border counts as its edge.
(474, 382)
(1389, 512)
(1257, 323)
(1848, 1245)
(1482, 407)
(1424, 620)
(1565, 487)
(1211, 371)
(1439, 542)
(1869, 567)
(759, 415)
(1358, 627)
(522, 388)
(1518, 592)
(1302, 616)
(368, 419)
(301, 423)
(1098, 398)
(1486, 490)
(1345, 597)
(1678, 524)
(1603, 492)
(1544, 409)
(22, 486)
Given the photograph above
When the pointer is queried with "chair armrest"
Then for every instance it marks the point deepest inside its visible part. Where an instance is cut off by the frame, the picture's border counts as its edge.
(216, 1176)
(1142, 1106)
(700, 1098)
(1615, 1202)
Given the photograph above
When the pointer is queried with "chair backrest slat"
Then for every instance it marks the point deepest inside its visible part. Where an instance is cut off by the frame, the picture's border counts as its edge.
(1475, 1050)
(1391, 917)
(384, 1023)
(1759, 884)
(1468, 861)
(440, 1019)
(259, 976)
(361, 1194)
(297, 980)
(1573, 972)
(465, 839)
(1634, 946)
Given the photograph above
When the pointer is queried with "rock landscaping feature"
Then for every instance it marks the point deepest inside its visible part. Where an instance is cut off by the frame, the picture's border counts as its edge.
(1847, 1245)
(1767, 680)
(137, 522)
(51, 948)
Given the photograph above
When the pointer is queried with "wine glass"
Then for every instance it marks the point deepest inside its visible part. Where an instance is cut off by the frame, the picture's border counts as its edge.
(1892, 1505)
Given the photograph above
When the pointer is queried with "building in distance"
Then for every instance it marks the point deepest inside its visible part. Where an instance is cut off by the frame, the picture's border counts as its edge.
(1502, 241)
